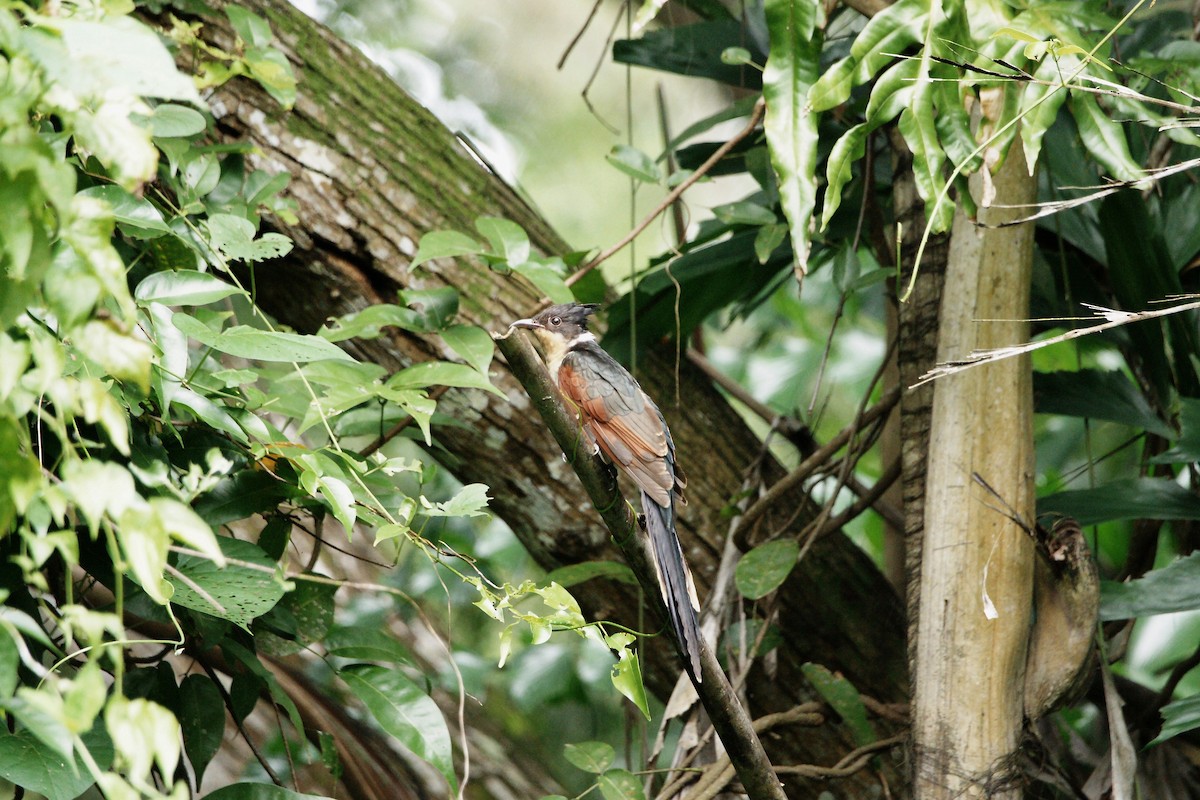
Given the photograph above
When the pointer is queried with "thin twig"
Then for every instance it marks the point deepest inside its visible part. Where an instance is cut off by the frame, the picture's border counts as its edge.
(851, 763)
(807, 467)
(755, 117)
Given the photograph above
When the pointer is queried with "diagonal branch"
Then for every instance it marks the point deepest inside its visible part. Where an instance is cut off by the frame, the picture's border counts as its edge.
(729, 718)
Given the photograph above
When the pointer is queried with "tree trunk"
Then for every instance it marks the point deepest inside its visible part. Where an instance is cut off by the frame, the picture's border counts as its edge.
(372, 172)
(975, 588)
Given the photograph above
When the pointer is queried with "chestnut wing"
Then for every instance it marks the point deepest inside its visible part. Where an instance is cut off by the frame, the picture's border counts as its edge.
(621, 418)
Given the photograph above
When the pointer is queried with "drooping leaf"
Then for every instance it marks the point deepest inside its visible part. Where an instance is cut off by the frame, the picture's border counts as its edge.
(694, 50)
(918, 126)
(202, 720)
(1097, 394)
(791, 123)
(405, 713)
(1104, 138)
(627, 678)
(1161, 591)
(844, 699)
(1179, 717)
(888, 33)
(1187, 449)
(1139, 498)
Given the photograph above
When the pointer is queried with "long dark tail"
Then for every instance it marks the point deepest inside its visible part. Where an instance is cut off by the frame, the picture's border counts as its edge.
(675, 582)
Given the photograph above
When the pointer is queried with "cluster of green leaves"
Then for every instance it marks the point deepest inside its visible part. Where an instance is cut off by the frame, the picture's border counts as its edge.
(148, 409)
(961, 82)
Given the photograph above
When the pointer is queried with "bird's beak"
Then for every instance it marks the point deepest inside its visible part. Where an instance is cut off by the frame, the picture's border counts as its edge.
(526, 323)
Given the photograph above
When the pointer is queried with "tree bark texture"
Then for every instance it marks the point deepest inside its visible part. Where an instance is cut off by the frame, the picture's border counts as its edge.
(371, 173)
(975, 591)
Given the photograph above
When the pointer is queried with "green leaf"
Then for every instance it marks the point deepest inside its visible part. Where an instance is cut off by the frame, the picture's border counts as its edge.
(1040, 104)
(1179, 717)
(472, 343)
(441, 373)
(370, 322)
(791, 123)
(736, 55)
(919, 130)
(233, 236)
(364, 642)
(547, 279)
(119, 54)
(620, 784)
(302, 617)
(243, 592)
(692, 50)
(172, 120)
(1098, 394)
(839, 168)
(29, 763)
(627, 678)
(253, 29)
(1104, 138)
(744, 212)
(574, 574)
(767, 241)
(246, 342)
(1139, 498)
(340, 499)
(273, 72)
(888, 33)
(764, 569)
(590, 756)
(445, 244)
(405, 713)
(1187, 449)
(144, 542)
(259, 791)
(136, 216)
(507, 238)
(634, 163)
(841, 695)
(435, 307)
(183, 287)
(1161, 591)
(202, 719)
(471, 501)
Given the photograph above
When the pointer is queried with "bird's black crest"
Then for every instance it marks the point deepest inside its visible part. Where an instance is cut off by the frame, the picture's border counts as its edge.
(569, 313)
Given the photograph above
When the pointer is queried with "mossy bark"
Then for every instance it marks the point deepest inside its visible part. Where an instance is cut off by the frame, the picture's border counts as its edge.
(372, 172)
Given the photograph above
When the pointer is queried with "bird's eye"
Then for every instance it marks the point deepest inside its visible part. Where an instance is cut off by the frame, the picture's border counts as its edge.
(556, 320)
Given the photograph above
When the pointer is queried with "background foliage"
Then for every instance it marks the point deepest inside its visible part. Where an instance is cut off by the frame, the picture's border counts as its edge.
(170, 454)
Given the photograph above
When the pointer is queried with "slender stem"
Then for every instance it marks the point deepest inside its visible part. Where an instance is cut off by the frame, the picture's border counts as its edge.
(755, 117)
